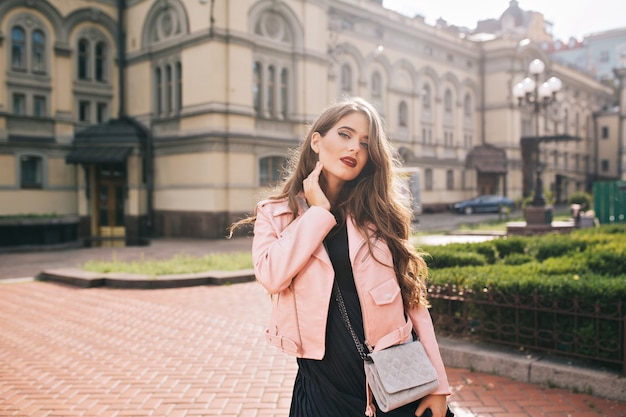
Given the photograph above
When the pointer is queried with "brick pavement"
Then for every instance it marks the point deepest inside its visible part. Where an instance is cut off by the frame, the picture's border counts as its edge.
(195, 351)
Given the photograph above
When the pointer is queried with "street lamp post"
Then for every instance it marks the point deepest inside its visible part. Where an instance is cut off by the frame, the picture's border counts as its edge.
(537, 96)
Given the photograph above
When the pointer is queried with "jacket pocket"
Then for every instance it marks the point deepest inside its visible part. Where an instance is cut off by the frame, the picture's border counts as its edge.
(284, 332)
(385, 293)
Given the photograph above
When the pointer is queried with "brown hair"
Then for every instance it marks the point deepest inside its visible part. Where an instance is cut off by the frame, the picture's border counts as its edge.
(373, 197)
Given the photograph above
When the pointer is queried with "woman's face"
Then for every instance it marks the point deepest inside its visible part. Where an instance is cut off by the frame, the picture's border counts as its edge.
(343, 150)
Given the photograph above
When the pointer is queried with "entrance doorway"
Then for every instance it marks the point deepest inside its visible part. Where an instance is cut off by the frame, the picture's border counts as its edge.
(487, 184)
(111, 186)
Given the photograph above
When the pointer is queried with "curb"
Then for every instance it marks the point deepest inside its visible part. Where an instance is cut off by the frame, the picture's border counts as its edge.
(532, 368)
(85, 279)
(480, 357)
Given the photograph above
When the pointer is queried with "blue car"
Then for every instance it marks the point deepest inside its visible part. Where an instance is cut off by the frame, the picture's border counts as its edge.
(483, 204)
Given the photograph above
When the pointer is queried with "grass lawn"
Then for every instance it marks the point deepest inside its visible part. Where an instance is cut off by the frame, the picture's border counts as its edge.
(186, 264)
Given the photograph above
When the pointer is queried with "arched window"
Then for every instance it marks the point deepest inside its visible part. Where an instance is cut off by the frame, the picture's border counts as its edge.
(426, 97)
(271, 82)
(18, 48)
(179, 86)
(100, 61)
(403, 114)
(376, 84)
(283, 93)
(447, 101)
(83, 59)
(467, 105)
(159, 90)
(256, 87)
(346, 79)
(168, 88)
(39, 51)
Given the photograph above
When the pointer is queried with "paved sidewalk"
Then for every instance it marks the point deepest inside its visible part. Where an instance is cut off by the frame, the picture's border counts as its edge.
(195, 351)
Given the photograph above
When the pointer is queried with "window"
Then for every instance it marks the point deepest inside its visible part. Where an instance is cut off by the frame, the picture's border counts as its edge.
(39, 50)
(84, 111)
(449, 180)
(376, 84)
(605, 165)
(283, 93)
(179, 86)
(403, 114)
(102, 114)
(168, 89)
(270, 169)
(605, 132)
(256, 88)
(447, 101)
(83, 59)
(346, 79)
(39, 106)
(31, 171)
(19, 104)
(426, 97)
(92, 57)
(100, 61)
(159, 90)
(467, 106)
(18, 48)
(168, 84)
(271, 81)
(428, 178)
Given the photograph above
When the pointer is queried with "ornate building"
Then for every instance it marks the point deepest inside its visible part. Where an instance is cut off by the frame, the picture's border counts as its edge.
(172, 117)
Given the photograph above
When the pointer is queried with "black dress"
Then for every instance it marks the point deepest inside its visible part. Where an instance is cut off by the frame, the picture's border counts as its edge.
(335, 385)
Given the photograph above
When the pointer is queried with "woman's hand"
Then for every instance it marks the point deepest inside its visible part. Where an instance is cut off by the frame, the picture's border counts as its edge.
(312, 190)
(437, 404)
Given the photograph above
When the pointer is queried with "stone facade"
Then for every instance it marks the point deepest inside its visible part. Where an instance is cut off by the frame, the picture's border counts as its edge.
(202, 101)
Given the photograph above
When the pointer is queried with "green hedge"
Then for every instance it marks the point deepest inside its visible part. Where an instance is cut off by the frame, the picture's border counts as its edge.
(521, 291)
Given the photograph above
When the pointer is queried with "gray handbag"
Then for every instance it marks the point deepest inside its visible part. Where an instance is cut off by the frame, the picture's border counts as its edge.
(400, 375)
(397, 375)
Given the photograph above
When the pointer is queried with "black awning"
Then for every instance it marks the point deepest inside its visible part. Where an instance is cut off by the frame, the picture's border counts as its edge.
(99, 155)
(486, 167)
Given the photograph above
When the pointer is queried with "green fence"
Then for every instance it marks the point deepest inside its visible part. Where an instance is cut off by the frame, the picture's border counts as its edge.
(609, 201)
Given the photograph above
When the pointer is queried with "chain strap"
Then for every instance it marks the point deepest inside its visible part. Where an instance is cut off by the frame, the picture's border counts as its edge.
(346, 321)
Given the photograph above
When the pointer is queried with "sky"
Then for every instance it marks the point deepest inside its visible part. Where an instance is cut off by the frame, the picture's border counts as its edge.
(569, 18)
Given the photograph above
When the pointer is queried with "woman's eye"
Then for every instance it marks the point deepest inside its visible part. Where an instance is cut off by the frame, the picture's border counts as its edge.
(344, 135)
(365, 145)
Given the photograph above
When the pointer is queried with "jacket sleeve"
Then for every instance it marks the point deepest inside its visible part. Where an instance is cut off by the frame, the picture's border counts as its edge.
(423, 325)
(279, 256)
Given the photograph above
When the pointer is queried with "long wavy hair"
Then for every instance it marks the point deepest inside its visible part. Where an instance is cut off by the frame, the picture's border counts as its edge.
(373, 198)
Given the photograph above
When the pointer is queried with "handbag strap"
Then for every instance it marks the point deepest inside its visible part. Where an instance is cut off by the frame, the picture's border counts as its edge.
(346, 321)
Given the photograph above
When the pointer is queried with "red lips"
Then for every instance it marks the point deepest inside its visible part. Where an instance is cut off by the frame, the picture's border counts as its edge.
(351, 162)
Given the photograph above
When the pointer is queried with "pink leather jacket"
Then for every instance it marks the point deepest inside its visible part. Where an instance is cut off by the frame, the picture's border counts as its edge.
(292, 264)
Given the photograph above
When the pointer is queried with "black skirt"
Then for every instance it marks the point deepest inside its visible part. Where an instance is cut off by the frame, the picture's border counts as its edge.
(335, 385)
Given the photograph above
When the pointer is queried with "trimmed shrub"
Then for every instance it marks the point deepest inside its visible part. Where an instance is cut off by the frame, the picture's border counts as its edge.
(450, 256)
(517, 259)
(510, 245)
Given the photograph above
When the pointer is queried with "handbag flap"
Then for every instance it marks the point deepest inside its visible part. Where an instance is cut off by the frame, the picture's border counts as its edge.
(403, 366)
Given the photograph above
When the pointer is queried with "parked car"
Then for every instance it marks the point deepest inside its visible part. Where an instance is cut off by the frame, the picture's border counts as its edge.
(483, 204)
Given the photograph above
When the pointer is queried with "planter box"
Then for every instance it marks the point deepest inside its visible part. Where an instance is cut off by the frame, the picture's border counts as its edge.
(38, 231)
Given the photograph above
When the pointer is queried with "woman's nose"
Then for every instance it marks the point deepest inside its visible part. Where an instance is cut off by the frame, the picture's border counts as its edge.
(353, 144)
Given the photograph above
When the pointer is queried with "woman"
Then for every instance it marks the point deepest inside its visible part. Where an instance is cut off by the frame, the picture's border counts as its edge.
(339, 217)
